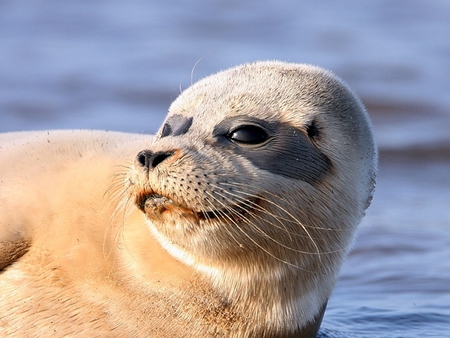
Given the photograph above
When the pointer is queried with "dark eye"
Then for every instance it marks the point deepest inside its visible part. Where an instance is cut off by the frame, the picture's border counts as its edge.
(166, 130)
(248, 135)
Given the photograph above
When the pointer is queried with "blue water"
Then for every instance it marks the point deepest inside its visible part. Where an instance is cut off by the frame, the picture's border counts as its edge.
(118, 65)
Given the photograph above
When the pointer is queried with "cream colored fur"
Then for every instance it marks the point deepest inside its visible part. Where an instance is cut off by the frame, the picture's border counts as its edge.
(79, 259)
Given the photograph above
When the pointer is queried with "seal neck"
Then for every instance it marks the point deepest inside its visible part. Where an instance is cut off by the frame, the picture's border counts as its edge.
(310, 330)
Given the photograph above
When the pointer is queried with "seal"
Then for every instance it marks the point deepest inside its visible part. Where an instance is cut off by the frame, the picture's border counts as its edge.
(233, 221)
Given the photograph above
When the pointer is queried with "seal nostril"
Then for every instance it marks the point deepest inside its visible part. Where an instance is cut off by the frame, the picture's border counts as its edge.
(143, 157)
(158, 158)
(149, 160)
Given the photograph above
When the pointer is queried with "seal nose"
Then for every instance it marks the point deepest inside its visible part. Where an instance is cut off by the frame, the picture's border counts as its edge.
(150, 160)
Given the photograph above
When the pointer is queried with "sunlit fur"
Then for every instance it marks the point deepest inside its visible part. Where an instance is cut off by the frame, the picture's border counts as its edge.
(235, 251)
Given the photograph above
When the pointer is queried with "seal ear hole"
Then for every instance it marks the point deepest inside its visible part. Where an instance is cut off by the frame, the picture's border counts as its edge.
(313, 130)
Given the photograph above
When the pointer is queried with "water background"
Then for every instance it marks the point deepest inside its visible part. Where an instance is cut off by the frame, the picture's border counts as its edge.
(117, 66)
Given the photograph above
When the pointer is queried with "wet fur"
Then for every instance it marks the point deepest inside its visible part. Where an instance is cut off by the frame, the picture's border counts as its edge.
(244, 256)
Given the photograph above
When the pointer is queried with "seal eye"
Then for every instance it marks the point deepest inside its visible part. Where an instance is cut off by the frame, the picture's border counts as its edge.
(248, 135)
(166, 130)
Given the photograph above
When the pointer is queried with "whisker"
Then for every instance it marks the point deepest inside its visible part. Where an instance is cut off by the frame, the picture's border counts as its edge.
(267, 192)
(247, 202)
(119, 197)
(293, 219)
(251, 239)
(217, 213)
(256, 216)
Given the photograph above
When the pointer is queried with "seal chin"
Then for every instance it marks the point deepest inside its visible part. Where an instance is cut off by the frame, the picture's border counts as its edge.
(156, 204)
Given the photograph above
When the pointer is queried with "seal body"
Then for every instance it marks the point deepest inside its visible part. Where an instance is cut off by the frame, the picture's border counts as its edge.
(233, 221)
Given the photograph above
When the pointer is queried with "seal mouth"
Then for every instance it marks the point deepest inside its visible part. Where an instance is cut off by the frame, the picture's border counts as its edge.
(155, 203)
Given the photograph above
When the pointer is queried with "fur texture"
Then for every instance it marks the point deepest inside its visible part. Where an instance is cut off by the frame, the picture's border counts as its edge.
(232, 222)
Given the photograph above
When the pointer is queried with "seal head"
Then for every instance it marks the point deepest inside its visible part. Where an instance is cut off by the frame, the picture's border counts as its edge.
(258, 179)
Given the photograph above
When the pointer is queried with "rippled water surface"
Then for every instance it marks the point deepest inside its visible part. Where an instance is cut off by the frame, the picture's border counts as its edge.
(118, 65)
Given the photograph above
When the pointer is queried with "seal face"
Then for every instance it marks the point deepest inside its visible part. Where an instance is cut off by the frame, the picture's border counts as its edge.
(252, 191)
